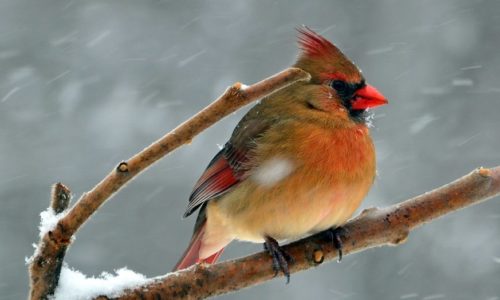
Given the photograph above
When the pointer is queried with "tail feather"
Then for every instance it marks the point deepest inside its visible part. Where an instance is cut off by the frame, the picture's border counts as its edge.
(191, 255)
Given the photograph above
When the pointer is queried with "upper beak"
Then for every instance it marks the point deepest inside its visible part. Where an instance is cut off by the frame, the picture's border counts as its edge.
(368, 97)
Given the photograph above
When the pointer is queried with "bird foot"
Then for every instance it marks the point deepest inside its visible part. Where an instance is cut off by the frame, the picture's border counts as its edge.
(281, 259)
(336, 235)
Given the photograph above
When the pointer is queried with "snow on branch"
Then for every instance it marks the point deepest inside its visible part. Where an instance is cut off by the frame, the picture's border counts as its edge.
(46, 263)
(73, 285)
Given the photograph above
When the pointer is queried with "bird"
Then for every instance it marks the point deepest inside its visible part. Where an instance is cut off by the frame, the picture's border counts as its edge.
(298, 163)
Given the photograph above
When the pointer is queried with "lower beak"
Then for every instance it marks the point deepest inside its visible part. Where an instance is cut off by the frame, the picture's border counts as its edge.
(368, 97)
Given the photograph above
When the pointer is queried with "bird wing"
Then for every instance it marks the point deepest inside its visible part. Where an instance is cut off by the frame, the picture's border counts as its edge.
(230, 166)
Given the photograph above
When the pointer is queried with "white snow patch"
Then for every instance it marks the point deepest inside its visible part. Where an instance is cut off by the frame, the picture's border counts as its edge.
(49, 220)
(272, 171)
(369, 119)
(243, 86)
(29, 260)
(73, 285)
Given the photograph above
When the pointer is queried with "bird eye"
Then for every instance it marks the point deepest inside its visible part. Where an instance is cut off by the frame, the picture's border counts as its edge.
(340, 86)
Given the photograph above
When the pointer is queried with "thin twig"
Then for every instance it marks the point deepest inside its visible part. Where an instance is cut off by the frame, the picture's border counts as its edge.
(234, 97)
(60, 197)
(373, 227)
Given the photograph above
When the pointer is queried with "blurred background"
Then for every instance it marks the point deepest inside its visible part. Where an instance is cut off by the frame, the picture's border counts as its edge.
(85, 84)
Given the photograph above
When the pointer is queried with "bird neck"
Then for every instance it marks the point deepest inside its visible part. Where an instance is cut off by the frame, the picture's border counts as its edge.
(360, 116)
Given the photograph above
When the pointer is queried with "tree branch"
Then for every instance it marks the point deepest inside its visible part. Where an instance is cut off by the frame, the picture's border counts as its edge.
(47, 261)
(373, 227)
(42, 272)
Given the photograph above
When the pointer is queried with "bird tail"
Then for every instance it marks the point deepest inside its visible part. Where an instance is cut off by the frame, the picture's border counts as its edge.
(191, 255)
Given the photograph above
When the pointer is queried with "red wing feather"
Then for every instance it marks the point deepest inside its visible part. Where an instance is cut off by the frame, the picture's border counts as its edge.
(230, 166)
(217, 179)
(217, 165)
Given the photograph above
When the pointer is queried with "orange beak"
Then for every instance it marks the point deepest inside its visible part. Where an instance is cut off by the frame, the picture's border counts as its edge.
(368, 97)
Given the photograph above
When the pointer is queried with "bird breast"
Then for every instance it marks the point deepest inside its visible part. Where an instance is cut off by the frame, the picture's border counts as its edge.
(304, 183)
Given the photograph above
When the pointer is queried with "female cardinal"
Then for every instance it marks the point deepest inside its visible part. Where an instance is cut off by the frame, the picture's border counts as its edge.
(299, 162)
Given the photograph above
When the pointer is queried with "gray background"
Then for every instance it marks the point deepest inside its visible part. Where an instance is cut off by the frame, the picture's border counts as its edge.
(85, 84)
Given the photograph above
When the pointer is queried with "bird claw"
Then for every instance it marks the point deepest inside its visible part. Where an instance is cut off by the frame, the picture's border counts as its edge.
(336, 235)
(281, 259)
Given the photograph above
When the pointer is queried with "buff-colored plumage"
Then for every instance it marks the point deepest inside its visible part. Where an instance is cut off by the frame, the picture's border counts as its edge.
(306, 162)
(333, 165)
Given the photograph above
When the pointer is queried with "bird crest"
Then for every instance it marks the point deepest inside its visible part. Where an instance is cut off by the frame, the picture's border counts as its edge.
(313, 44)
(322, 59)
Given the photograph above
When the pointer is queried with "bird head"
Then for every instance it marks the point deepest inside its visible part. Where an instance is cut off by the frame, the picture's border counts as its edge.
(328, 66)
